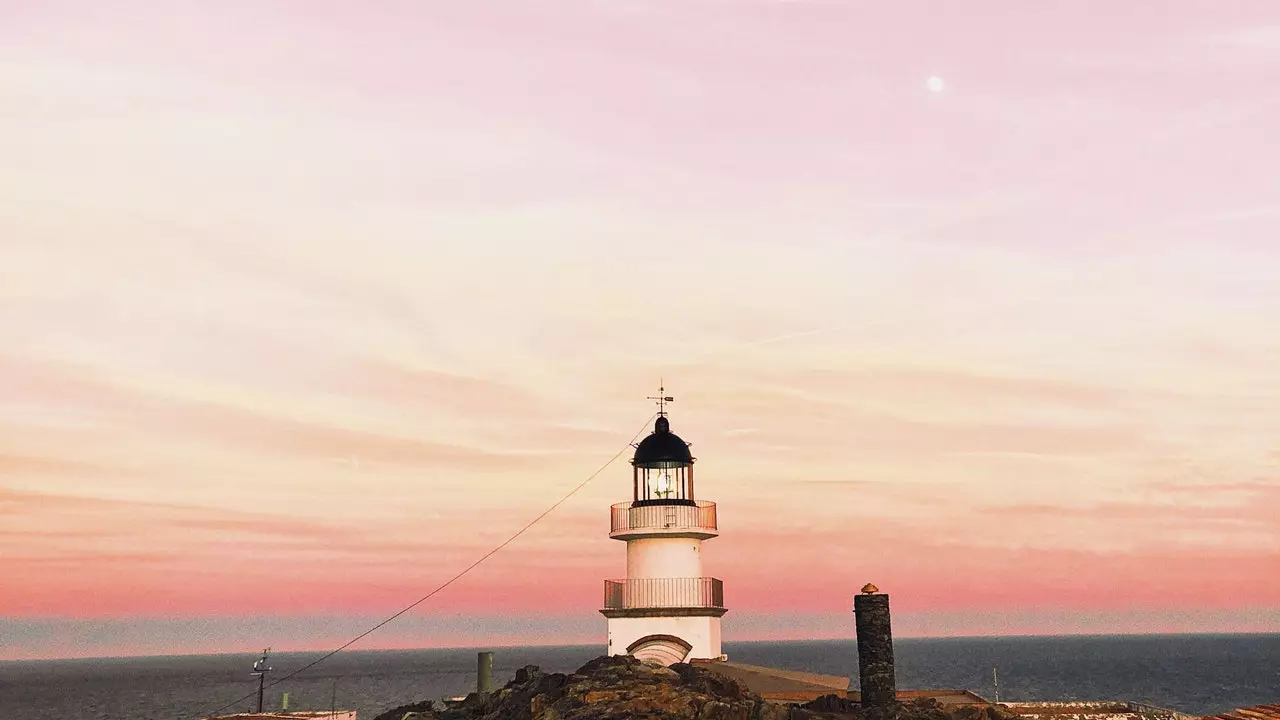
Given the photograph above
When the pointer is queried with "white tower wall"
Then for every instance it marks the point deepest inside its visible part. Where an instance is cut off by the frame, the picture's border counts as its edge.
(703, 633)
(664, 557)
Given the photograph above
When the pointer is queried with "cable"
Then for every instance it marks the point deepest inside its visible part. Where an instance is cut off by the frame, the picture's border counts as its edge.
(447, 583)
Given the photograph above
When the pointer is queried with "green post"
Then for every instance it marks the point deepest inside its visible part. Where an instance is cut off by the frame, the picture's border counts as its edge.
(484, 672)
(284, 703)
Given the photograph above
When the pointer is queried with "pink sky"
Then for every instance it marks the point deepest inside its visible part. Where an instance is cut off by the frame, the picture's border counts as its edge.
(306, 305)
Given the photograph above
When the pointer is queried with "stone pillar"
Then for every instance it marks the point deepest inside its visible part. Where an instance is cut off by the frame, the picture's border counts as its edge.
(875, 648)
(484, 672)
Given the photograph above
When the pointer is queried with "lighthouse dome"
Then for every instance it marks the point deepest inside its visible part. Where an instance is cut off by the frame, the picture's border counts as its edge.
(662, 448)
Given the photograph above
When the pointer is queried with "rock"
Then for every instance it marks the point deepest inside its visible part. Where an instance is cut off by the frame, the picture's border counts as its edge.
(525, 673)
(421, 710)
(716, 710)
(615, 688)
(833, 704)
(623, 688)
(709, 683)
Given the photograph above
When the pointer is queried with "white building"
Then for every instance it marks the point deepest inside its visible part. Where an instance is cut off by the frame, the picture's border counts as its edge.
(665, 609)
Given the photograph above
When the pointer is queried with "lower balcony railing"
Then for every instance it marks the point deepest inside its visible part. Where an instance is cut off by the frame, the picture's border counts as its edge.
(680, 592)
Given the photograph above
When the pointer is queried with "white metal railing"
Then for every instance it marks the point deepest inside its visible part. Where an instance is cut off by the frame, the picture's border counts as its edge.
(681, 592)
(699, 516)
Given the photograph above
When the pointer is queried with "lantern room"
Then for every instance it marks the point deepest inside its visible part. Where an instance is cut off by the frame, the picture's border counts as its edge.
(662, 468)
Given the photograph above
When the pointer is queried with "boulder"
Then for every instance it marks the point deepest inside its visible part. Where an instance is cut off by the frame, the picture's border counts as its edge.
(622, 688)
(424, 709)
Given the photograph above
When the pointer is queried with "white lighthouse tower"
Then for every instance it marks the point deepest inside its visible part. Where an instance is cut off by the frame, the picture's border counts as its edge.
(665, 609)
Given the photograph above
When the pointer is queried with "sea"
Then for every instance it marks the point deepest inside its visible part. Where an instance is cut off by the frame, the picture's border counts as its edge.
(1195, 674)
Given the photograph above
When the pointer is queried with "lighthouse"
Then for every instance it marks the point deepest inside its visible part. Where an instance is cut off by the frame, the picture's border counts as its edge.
(665, 609)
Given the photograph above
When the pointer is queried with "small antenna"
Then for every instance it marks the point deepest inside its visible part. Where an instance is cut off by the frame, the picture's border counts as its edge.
(260, 669)
(662, 398)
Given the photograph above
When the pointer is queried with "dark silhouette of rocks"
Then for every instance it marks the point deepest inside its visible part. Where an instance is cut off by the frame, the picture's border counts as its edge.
(833, 704)
(426, 708)
(623, 688)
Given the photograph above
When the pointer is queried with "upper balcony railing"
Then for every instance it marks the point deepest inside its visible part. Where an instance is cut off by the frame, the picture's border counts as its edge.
(681, 592)
(661, 519)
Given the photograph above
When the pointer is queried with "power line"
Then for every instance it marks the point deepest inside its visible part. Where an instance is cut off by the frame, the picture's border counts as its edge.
(447, 583)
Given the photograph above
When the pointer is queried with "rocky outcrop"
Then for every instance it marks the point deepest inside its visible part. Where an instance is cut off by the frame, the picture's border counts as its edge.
(415, 711)
(623, 688)
(617, 688)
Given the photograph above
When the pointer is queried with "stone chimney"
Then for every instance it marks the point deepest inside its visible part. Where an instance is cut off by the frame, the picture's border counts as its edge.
(875, 648)
(484, 672)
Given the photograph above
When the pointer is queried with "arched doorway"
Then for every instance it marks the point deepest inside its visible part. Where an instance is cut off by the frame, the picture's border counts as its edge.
(666, 649)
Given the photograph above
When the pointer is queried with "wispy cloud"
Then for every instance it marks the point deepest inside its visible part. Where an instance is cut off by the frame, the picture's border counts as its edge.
(311, 335)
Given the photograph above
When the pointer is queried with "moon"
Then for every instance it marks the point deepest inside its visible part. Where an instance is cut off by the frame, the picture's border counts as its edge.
(935, 84)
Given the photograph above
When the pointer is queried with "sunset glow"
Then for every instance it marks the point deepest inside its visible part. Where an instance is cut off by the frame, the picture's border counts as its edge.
(304, 306)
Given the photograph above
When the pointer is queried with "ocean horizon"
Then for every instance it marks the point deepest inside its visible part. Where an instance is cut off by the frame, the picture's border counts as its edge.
(536, 645)
(1196, 674)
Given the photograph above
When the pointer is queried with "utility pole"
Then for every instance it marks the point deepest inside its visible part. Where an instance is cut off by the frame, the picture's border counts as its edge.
(260, 669)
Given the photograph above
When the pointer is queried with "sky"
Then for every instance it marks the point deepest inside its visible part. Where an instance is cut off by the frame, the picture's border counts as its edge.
(305, 306)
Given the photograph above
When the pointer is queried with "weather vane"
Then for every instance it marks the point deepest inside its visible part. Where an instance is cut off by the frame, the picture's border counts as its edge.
(260, 669)
(662, 398)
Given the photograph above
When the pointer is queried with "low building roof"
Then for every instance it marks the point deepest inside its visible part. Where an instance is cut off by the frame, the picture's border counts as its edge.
(796, 686)
(779, 685)
(1257, 712)
(1093, 710)
(945, 697)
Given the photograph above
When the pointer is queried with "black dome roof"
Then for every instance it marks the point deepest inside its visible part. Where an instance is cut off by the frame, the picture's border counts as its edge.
(663, 448)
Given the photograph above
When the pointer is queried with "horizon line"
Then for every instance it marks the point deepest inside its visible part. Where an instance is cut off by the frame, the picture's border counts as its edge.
(481, 648)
